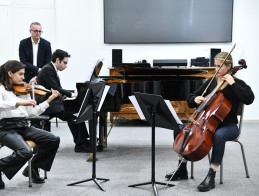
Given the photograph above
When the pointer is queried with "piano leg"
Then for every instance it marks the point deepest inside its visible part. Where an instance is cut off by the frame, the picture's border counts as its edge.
(102, 131)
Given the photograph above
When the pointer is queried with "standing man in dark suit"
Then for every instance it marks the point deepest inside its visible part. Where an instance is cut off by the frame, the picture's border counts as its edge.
(34, 51)
(48, 77)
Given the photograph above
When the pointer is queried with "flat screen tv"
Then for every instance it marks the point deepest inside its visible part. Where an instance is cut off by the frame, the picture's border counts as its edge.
(167, 21)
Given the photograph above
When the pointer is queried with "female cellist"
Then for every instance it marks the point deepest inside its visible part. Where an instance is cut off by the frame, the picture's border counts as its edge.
(236, 91)
(14, 128)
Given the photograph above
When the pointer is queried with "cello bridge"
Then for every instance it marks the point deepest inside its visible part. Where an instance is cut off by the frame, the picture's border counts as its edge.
(194, 121)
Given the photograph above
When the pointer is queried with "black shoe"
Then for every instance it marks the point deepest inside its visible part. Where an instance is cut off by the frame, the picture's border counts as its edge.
(180, 174)
(88, 141)
(82, 148)
(34, 174)
(2, 184)
(209, 182)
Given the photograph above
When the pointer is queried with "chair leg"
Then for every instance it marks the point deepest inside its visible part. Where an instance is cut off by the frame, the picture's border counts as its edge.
(191, 169)
(45, 175)
(221, 173)
(244, 158)
(209, 158)
(30, 175)
(45, 124)
(56, 122)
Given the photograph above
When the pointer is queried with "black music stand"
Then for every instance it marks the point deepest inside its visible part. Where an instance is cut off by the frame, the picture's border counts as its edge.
(157, 114)
(89, 108)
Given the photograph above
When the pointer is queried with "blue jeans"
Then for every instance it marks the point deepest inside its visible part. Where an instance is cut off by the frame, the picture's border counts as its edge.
(226, 132)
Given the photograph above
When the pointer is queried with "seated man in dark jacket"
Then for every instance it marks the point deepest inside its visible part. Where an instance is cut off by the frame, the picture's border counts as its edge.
(48, 77)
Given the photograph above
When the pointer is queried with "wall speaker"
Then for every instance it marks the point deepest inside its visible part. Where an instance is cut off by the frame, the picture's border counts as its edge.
(116, 57)
(213, 53)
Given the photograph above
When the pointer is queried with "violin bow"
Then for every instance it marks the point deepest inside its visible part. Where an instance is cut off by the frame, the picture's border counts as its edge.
(33, 90)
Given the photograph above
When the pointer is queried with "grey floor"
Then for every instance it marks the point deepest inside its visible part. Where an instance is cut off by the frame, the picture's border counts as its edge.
(127, 161)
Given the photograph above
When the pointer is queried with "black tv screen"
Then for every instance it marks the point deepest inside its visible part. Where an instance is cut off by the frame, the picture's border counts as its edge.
(168, 21)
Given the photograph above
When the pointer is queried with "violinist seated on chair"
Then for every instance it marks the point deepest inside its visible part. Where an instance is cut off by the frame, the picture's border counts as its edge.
(14, 128)
(48, 78)
(234, 91)
(38, 91)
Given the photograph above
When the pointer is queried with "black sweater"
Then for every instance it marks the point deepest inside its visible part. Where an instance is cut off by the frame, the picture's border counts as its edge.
(237, 93)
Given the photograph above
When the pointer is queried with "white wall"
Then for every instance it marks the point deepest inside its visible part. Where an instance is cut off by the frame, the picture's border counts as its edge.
(77, 27)
(5, 24)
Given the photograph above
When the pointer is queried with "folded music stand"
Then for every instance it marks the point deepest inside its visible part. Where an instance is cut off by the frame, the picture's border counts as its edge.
(157, 113)
(89, 112)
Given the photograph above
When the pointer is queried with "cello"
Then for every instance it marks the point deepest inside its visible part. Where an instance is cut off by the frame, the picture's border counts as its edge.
(196, 138)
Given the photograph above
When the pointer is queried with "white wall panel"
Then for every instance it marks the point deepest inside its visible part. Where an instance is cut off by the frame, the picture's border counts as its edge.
(5, 38)
(77, 26)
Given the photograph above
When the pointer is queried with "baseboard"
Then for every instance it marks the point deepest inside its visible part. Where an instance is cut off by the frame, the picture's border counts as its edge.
(250, 121)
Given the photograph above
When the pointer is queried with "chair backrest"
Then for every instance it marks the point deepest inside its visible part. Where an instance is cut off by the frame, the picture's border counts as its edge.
(240, 113)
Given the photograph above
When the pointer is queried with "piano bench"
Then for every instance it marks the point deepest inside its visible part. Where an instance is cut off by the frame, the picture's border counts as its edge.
(127, 111)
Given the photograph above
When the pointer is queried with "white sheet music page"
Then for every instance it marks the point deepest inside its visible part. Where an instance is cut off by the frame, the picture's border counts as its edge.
(137, 107)
(169, 105)
(105, 91)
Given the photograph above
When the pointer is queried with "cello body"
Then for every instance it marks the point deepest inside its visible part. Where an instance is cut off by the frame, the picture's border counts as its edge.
(201, 129)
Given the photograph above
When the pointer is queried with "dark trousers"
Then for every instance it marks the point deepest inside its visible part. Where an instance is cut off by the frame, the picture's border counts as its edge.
(226, 132)
(14, 139)
(79, 131)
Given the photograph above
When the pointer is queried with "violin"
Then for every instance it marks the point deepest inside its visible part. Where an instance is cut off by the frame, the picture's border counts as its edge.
(24, 89)
(196, 138)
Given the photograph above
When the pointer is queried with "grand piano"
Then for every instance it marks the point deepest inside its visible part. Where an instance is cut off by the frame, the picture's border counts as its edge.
(173, 84)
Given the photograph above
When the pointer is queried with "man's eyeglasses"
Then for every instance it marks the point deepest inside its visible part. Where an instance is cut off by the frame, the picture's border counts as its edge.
(65, 62)
(36, 31)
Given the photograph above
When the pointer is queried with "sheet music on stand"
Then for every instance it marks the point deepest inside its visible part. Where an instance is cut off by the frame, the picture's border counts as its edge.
(172, 110)
(105, 91)
(137, 107)
(98, 90)
(141, 115)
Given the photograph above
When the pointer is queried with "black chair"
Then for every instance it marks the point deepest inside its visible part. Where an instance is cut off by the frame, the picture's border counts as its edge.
(41, 121)
(240, 123)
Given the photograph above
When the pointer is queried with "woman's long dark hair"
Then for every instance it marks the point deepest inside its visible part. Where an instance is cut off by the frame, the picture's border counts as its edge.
(13, 66)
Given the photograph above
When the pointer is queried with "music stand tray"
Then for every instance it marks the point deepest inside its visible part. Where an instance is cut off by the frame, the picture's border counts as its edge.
(158, 114)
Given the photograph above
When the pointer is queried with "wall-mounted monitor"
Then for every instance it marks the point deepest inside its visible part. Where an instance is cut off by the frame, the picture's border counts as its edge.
(167, 21)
